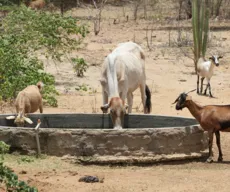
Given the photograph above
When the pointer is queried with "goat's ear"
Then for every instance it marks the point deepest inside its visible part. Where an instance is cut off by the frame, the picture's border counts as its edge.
(28, 120)
(10, 117)
(210, 58)
(220, 57)
(105, 108)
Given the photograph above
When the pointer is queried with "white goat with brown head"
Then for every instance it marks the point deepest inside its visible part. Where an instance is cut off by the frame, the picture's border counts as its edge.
(29, 100)
(205, 70)
(123, 72)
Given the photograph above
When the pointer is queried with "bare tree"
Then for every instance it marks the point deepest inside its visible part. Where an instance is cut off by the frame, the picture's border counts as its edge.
(97, 21)
(137, 4)
(145, 4)
(218, 5)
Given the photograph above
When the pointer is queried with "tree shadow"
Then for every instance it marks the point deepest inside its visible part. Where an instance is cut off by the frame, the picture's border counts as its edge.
(203, 95)
(222, 162)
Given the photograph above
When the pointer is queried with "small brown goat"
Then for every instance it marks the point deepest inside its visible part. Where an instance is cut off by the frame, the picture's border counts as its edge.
(29, 100)
(37, 4)
(212, 118)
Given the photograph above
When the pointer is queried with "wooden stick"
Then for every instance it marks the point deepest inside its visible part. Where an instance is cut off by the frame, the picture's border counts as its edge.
(37, 137)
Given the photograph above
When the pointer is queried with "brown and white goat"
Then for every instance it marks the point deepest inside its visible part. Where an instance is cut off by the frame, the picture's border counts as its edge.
(29, 100)
(212, 118)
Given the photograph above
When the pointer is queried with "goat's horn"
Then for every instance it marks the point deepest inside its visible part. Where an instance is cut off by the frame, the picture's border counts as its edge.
(191, 91)
(176, 100)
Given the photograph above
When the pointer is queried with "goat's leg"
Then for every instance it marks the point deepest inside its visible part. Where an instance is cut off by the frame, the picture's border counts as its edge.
(201, 86)
(217, 133)
(210, 136)
(41, 108)
(130, 101)
(205, 91)
(210, 93)
(197, 90)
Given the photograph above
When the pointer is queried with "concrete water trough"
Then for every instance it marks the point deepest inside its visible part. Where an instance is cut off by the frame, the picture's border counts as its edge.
(90, 137)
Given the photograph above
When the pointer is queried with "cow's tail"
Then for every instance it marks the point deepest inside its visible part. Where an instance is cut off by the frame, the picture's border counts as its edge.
(148, 104)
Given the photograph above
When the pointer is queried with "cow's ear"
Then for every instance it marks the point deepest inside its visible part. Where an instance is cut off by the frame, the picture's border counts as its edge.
(10, 117)
(126, 107)
(28, 120)
(102, 81)
(105, 108)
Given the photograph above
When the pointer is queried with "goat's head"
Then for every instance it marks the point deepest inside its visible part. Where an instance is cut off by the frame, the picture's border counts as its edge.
(215, 59)
(117, 111)
(181, 100)
(20, 119)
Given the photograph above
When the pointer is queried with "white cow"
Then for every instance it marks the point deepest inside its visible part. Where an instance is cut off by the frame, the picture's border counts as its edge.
(123, 71)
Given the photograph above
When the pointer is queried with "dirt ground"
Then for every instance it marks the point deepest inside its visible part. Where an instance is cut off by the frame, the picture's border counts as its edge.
(169, 72)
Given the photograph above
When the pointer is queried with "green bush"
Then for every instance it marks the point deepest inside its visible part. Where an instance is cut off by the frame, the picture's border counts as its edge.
(8, 177)
(80, 66)
(24, 35)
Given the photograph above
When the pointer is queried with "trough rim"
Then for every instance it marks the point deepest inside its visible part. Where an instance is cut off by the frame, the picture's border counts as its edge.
(102, 129)
(99, 114)
(106, 114)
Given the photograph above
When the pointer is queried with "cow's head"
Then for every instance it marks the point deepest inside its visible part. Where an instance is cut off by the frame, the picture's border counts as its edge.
(117, 111)
(20, 119)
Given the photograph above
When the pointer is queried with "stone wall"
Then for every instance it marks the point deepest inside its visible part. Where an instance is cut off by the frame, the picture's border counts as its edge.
(188, 141)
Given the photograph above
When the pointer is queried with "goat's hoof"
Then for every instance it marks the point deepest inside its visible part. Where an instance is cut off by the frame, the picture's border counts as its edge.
(220, 159)
(209, 160)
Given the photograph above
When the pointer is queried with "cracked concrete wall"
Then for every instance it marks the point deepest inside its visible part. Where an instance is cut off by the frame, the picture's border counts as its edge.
(145, 142)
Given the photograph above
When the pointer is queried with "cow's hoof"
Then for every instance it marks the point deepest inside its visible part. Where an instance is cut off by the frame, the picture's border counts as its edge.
(209, 160)
(118, 128)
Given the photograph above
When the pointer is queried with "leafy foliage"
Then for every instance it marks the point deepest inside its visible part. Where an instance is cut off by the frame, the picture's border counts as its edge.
(4, 148)
(26, 35)
(80, 66)
(8, 177)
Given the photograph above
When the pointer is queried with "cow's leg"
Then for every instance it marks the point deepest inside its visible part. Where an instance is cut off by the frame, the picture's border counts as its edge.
(104, 97)
(105, 100)
(130, 101)
(143, 96)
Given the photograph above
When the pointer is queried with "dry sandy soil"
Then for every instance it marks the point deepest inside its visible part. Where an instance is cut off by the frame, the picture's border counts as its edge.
(169, 73)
